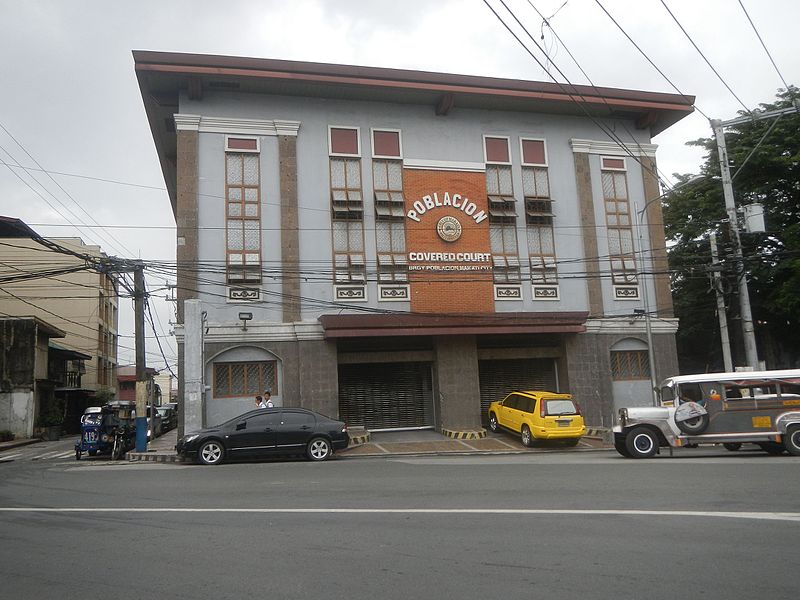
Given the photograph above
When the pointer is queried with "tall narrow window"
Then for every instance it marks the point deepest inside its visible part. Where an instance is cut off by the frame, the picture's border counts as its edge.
(387, 181)
(618, 221)
(347, 205)
(538, 212)
(502, 210)
(243, 210)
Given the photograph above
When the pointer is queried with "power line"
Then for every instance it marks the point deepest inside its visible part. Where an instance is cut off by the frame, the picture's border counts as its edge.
(574, 97)
(110, 239)
(644, 54)
(763, 45)
(725, 83)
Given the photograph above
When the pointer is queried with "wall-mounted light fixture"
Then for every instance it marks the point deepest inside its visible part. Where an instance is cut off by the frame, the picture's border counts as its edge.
(244, 317)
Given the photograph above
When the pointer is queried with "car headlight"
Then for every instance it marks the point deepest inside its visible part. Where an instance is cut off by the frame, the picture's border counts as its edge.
(191, 437)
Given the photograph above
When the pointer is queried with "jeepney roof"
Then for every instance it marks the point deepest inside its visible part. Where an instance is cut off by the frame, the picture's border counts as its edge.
(788, 375)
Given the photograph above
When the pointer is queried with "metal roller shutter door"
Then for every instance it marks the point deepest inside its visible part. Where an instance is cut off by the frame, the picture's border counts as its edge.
(499, 377)
(386, 395)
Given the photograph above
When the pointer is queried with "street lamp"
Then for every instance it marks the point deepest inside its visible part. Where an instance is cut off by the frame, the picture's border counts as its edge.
(645, 295)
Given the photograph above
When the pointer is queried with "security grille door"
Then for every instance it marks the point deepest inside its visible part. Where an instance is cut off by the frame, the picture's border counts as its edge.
(498, 378)
(386, 395)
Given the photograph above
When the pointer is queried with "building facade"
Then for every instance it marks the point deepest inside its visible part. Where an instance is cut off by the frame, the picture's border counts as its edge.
(401, 248)
(83, 303)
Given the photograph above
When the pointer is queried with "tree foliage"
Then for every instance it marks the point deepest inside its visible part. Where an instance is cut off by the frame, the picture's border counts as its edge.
(764, 160)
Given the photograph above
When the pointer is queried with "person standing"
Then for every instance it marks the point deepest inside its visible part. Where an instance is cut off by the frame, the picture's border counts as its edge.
(268, 399)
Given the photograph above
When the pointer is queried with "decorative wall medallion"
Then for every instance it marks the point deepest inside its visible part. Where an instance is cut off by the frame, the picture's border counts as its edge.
(351, 292)
(244, 294)
(448, 228)
(626, 293)
(508, 292)
(545, 292)
(394, 292)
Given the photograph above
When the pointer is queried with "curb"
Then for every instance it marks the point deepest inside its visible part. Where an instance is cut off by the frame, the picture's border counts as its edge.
(357, 439)
(596, 432)
(18, 443)
(152, 457)
(464, 435)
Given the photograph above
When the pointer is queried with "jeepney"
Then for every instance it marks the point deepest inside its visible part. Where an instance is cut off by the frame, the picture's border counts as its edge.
(760, 407)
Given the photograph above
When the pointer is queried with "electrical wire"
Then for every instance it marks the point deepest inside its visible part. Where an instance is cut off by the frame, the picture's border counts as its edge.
(763, 45)
(700, 52)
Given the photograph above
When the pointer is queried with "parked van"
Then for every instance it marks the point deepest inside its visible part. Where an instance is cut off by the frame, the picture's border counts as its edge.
(761, 407)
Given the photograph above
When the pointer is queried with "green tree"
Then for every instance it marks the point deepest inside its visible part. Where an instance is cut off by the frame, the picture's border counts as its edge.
(765, 163)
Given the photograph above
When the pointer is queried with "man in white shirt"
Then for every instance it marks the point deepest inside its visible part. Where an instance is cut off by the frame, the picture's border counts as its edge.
(267, 399)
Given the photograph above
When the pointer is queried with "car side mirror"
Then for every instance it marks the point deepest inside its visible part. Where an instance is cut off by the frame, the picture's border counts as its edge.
(241, 425)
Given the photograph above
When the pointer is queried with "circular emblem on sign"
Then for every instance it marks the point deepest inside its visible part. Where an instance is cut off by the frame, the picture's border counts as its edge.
(449, 229)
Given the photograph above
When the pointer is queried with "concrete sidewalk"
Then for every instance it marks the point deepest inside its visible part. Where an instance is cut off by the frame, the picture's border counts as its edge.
(402, 443)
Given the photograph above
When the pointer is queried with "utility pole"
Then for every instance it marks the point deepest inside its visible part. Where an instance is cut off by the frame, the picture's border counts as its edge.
(141, 364)
(723, 321)
(748, 332)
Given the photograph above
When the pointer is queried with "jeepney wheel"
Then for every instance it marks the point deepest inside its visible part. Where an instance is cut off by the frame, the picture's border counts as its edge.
(772, 448)
(619, 446)
(732, 446)
(641, 442)
(92, 452)
(792, 440)
(211, 453)
(693, 426)
(493, 424)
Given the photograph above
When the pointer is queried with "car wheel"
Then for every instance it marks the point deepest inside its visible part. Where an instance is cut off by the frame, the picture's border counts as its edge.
(732, 446)
(772, 448)
(792, 440)
(641, 442)
(319, 449)
(493, 424)
(527, 439)
(621, 447)
(211, 453)
(77, 454)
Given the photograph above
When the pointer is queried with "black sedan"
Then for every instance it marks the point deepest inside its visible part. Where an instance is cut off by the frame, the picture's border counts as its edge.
(266, 432)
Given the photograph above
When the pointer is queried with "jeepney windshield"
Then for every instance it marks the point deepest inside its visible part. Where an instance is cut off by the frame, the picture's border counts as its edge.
(667, 394)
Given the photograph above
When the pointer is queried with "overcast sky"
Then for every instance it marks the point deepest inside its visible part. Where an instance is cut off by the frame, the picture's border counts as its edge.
(70, 97)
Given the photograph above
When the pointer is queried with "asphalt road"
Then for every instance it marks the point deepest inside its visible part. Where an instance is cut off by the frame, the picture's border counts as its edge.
(704, 524)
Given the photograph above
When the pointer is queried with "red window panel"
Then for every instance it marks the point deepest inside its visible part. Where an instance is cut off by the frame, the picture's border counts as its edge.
(613, 163)
(386, 143)
(533, 152)
(344, 141)
(242, 144)
(497, 150)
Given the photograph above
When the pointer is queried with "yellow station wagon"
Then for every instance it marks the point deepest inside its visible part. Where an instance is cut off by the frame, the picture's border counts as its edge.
(538, 416)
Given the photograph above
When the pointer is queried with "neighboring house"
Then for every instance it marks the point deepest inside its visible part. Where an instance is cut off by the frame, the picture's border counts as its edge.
(66, 370)
(401, 248)
(83, 303)
(24, 389)
(164, 380)
(126, 384)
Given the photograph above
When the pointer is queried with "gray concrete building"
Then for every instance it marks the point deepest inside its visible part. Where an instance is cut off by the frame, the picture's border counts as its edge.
(400, 248)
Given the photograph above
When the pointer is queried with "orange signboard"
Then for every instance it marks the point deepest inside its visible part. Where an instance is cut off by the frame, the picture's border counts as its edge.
(447, 241)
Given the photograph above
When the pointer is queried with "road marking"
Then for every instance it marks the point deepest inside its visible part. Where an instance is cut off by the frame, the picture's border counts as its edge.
(46, 454)
(71, 453)
(11, 457)
(759, 516)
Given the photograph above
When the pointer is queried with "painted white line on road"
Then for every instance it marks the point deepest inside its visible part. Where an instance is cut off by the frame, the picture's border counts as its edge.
(71, 453)
(10, 457)
(762, 516)
(46, 454)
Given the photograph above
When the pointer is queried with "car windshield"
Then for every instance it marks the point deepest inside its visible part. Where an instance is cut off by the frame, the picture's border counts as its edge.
(560, 407)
